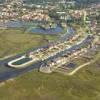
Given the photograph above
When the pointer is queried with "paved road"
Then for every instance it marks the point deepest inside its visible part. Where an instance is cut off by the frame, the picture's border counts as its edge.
(8, 72)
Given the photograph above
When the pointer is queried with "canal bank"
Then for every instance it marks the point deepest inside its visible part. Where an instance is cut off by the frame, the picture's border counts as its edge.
(8, 72)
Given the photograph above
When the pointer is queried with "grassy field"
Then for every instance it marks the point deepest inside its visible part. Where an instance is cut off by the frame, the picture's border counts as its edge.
(16, 41)
(84, 85)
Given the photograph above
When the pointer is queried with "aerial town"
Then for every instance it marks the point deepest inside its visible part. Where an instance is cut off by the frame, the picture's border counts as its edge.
(62, 37)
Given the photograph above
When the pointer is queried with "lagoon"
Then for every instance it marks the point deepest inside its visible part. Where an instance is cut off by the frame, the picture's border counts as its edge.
(58, 29)
(31, 26)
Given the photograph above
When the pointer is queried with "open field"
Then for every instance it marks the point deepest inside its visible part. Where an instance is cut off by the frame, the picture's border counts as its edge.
(34, 85)
(16, 41)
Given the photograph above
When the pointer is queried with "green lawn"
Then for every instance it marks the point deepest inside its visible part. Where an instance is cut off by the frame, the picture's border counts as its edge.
(84, 85)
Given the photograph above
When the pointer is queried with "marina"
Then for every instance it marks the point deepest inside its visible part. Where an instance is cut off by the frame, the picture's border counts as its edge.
(43, 53)
(9, 72)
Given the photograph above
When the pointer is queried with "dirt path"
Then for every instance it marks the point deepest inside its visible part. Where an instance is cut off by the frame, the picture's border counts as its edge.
(7, 57)
(88, 63)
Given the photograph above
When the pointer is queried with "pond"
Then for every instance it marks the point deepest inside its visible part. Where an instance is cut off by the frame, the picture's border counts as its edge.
(22, 61)
(14, 24)
(31, 27)
(58, 29)
(19, 24)
(71, 65)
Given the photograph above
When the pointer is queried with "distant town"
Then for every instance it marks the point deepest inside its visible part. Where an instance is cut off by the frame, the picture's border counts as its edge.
(59, 13)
